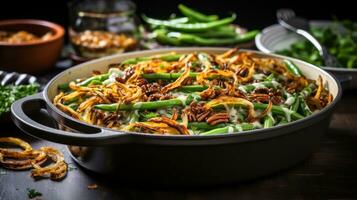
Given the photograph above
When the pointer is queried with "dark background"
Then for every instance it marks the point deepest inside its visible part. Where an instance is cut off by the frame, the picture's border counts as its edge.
(251, 13)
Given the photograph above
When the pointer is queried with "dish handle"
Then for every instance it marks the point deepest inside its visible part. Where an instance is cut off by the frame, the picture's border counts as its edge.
(21, 109)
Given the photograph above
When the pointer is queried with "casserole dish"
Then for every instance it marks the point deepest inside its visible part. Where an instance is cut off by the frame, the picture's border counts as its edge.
(176, 160)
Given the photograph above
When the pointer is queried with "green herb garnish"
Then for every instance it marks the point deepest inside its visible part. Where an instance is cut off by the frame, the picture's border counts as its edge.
(32, 193)
(11, 93)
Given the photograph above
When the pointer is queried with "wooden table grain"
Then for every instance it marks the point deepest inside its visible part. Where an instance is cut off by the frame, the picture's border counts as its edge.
(329, 173)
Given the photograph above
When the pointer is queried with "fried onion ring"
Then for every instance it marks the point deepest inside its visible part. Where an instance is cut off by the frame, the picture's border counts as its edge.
(56, 171)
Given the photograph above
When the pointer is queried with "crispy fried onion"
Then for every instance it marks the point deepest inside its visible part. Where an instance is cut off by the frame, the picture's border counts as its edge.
(162, 125)
(56, 171)
(177, 82)
(319, 88)
(30, 158)
(218, 118)
(227, 100)
(19, 160)
(201, 78)
(172, 123)
(152, 127)
(222, 58)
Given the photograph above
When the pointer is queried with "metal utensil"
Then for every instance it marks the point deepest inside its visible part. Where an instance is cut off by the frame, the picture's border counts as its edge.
(301, 26)
(16, 78)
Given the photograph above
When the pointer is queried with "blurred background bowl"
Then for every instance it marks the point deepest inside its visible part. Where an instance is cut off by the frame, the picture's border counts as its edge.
(34, 56)
(275, 38)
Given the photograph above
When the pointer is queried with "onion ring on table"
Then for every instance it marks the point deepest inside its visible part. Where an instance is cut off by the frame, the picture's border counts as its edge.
(56, 171)
(25, 161)
(19, 160)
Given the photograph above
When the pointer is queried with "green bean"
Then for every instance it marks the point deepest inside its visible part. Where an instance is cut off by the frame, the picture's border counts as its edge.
(293, 68)
(161, 37)
(296, 104)
(304, 108)
(194, 27)
(268, 121)
(149, 115)
(224, 130)
(218, 131)
(134, 116)
(177, 38)
(279, 110)
(148, 105)
(100, 78)
(165, 57)
(270, 77)
(195, 15)
(192, 88)
(307, 90)
(179, 20)
(73, 106)
(69, 101)
(283, 121)
(220, 32)
(251, 87)
(64, 87)
(205, 126)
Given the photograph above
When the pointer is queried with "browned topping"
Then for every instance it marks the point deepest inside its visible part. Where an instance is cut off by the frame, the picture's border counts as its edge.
(152, 92)
(196, 112)
(218, 118)
(182, 129)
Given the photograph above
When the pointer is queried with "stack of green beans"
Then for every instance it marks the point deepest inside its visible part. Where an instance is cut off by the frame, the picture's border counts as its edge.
(197, 29)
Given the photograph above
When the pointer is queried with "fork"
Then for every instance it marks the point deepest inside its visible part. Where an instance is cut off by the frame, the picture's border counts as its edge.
(14, 78)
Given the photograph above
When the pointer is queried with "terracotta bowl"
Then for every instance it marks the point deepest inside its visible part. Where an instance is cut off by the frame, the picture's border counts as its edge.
(35, 56)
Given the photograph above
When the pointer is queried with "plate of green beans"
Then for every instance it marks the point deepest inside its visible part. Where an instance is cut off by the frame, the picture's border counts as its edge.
(194, 28)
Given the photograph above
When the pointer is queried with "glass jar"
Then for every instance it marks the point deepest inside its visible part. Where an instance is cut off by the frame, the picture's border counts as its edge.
(102, 27)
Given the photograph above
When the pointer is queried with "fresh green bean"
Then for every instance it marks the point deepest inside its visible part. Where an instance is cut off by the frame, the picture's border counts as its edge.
(100, 78)
(179, 38)
(194, 27)
(220, 32)
(195, 15)
(165, 57)
(293, 68)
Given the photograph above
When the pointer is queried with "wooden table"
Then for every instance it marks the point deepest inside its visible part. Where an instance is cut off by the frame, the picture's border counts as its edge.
(330, 173)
